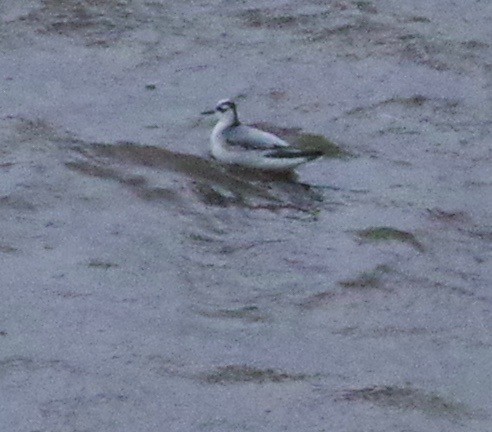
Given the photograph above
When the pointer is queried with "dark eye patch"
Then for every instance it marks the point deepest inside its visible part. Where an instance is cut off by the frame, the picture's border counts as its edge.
(221, 109)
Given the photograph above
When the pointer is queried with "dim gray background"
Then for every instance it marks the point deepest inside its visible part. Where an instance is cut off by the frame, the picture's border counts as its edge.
(146, 288)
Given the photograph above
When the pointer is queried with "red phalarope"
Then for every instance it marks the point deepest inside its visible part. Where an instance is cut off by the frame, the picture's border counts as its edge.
(238, 144)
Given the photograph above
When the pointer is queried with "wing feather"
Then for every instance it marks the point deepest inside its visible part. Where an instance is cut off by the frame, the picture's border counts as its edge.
(293, 153)
(251, 138)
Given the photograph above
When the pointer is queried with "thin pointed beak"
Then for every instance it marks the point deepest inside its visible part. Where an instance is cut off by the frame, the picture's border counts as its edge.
(208, 112)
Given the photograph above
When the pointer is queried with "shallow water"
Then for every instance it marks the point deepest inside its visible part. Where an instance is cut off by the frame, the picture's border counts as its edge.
(148, 287)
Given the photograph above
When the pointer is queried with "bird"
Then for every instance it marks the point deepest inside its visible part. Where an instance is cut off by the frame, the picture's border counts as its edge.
(235, 143)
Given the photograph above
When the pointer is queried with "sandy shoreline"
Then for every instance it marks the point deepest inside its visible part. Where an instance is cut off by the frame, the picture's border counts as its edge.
(146, 287)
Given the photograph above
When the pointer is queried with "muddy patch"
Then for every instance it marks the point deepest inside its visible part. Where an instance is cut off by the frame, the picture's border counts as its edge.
(208, 181)
(99, 264)
(368, 279)
(14, 202)
(7, 249)
(408, 398)
(385, 234)
(98, 22)
(357, 28)
(449, 218)
(237, 374)
(250, 314)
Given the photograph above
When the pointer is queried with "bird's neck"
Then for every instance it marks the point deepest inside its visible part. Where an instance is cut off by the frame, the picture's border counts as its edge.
(228, 120)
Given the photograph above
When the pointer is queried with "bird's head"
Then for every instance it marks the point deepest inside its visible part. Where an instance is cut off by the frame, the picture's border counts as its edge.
(225, 110)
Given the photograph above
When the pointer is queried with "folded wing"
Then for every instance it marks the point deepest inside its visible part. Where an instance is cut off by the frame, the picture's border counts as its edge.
(292, 153)
(252, 139)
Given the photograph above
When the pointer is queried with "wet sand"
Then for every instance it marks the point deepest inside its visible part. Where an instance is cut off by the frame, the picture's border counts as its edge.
(146, 287)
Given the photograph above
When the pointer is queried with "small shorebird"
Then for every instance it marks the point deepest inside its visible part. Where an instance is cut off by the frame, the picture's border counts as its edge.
(238, 144)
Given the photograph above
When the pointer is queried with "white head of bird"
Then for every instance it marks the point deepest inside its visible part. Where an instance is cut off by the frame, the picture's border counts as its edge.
(226, 111)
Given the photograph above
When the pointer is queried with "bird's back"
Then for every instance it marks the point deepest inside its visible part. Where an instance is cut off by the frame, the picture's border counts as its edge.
(251, 138)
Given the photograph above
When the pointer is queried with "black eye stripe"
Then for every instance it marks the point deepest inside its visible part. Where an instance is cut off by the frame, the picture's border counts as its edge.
(225, 106)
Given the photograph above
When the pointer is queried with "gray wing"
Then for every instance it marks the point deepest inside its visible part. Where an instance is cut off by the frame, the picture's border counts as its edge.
(252, 139)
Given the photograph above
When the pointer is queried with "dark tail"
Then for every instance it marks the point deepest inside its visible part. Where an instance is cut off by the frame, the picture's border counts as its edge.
(282, 153)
